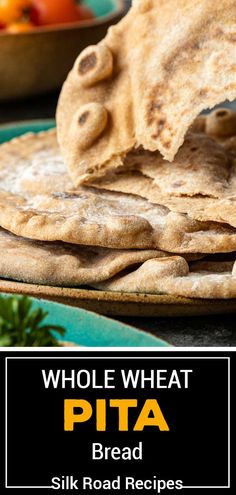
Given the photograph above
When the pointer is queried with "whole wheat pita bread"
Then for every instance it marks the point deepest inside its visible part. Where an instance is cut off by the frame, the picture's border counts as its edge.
(201, 167)
(62, 264)
(203, 279)
(200, 182)
(198, 208)
(37, 201)
(146, 82)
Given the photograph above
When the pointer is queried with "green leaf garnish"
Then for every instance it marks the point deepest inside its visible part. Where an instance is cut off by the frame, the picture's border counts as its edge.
(22, 326)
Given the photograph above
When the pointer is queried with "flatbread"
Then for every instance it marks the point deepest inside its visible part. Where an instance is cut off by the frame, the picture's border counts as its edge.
(61, 264)
(200, 182)
(201, 167)
(146, 82)
(173, 276)
(37, 201)
(198, 208)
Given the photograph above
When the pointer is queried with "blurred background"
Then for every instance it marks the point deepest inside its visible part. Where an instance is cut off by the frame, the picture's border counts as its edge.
(39, 42)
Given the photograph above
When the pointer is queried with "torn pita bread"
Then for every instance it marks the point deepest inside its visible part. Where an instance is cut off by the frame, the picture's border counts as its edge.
(62, 264)
(201, 167)
(173, 276)
(200, 182)
(37, 201)
(203, 209)
(146, 82)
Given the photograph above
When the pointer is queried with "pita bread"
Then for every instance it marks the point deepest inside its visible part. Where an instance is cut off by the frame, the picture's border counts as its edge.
(200, 182)
(146, 82)
(201, 167)
(203, 279)
(62, 264)
(198, 208)
(37, 201)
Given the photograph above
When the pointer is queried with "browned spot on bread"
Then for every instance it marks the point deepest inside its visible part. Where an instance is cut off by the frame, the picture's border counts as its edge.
(88, 63)
(221, 113)
(160, 126)
(161, 123)
(167, 144)
(203, 93)
(154, 106)
(186, 51)
(83, 118)
(231, 38)
(179, 183)
(145, 6)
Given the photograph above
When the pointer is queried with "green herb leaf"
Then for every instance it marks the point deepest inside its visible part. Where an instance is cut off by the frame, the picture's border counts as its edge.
(22, 326)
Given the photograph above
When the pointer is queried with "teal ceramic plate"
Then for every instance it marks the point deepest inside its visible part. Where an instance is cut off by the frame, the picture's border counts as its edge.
(89, 329)
(15, 129)
(85, 328)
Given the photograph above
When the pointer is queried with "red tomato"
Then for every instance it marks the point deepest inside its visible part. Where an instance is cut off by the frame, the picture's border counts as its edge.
(46, 12)
(85, 13)
(12, 10)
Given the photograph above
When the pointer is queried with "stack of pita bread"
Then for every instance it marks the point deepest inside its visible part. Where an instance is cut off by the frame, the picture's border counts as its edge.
(140, 193)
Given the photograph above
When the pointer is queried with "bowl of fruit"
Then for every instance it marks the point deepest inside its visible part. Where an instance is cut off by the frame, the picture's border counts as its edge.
(40, 40)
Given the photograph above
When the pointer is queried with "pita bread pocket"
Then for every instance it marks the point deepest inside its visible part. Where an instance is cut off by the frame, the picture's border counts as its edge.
(62, 264)
(37, 201)
(146, 82)
(173, 276)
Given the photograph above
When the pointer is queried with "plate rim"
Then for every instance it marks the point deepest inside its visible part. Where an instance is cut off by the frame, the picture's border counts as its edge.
(28, 122)
(106, 296)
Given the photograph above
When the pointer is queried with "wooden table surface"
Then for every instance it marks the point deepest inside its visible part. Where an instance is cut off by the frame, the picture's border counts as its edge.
(191, 331)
